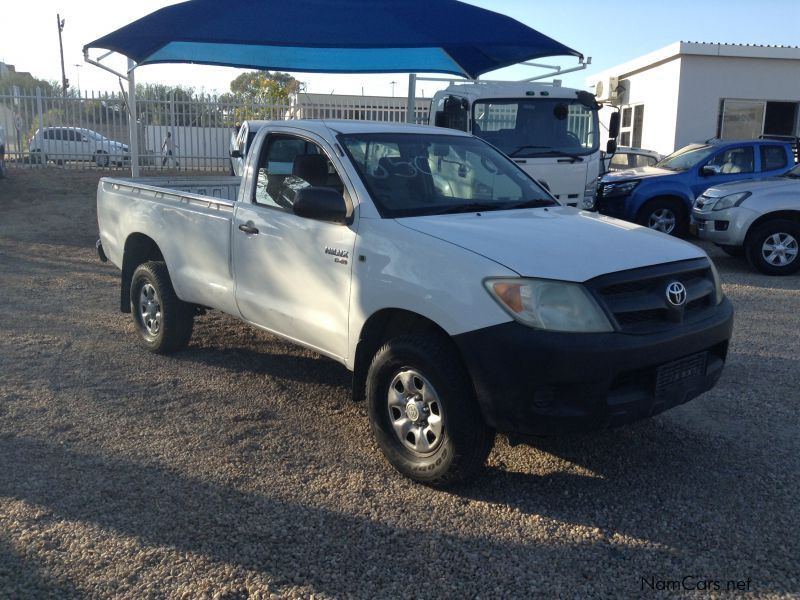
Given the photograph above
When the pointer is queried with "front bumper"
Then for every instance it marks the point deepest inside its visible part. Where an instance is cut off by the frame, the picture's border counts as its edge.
(532, 382)
(724, 227)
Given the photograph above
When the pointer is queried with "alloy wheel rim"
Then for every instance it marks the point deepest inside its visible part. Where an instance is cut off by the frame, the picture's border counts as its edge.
(415, 411)
(662, 219)
(779, 249)
(150, 309)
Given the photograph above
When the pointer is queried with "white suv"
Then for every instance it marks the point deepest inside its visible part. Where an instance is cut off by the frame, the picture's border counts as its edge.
(61, 144)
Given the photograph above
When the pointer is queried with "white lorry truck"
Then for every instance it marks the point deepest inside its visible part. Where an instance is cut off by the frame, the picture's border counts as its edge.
(552, 132)
(436, 270)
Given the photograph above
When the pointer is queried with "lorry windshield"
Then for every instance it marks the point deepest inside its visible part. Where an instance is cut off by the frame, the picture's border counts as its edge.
(685, 158)
(537, 126)
(423, 174)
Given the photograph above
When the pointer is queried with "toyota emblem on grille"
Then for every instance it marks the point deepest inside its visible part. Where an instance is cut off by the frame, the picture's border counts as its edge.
(676, 293)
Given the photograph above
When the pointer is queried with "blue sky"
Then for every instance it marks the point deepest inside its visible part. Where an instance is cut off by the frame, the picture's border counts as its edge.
(609, 32)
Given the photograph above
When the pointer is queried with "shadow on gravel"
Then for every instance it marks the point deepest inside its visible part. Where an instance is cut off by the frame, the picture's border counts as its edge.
(337, 554)
(313, 369)
(23, 578)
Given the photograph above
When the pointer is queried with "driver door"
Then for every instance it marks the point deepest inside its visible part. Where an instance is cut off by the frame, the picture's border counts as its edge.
(734, 164)
(292, 274)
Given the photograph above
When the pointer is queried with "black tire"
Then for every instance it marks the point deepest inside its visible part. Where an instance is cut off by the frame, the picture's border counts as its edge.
(170, 329)
(465, 439)
(735, 251)
(647, 216)
(101, 159)
(788, 232)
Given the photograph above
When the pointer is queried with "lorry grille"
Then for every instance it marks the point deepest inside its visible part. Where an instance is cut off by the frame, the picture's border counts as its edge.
(637, 299)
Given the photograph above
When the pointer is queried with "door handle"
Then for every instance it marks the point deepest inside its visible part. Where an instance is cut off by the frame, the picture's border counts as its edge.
(248, 228)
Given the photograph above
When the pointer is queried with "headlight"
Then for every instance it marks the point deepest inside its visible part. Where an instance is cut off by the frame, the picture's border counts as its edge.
(730, 200)
(717, 282)
(548, 304)
(619, 189)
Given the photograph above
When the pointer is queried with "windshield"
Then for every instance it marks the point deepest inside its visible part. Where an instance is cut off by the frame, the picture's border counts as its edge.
(686, 158)
(537, 127)
(424, 174)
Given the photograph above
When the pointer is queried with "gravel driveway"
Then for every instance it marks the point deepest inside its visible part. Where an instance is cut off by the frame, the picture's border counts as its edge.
(240, 467)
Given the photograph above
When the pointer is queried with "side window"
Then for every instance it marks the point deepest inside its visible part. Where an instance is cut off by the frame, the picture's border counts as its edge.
(642, 160)
(619, 161)
(773, 157)
(71, 135)
(734, 160)
(288, 165)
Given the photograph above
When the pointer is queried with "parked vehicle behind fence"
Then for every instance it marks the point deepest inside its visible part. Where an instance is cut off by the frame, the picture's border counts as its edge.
(756, 219)
(661, 197)
(61, 144)
(2, 152)
(435, 269)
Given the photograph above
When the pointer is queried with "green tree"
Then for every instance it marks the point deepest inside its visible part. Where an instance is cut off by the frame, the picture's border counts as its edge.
(264, 86)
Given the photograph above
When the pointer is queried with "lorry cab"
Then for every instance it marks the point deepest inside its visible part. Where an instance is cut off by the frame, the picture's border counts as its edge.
(550, 131)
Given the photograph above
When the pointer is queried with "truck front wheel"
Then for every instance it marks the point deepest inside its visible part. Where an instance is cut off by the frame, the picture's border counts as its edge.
(773, 247)
(163, 321)
(664, 215)
(424, 413)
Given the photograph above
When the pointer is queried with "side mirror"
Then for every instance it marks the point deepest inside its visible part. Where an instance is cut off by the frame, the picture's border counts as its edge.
(236, 154)
(613, 125)
(320, 204)
(611, 146)
(544, 184)
(709, 170)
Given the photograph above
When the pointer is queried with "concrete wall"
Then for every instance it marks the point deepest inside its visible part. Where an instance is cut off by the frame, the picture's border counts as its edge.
(658, 89)
(705, 80)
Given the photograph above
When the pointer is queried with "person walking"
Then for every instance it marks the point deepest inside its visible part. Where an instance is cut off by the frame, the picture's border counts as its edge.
(168, 148)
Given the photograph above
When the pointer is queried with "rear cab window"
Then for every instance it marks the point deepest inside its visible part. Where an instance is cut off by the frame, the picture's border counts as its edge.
(773, 158)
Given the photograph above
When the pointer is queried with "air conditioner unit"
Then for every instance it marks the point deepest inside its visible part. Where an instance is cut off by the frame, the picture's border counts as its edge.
(618, 90)
(606, 91)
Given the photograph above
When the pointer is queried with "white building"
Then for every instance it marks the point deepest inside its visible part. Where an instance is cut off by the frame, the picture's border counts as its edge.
(692, 91)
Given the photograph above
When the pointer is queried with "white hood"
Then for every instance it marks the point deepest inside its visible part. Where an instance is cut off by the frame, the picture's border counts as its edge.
(557, 242)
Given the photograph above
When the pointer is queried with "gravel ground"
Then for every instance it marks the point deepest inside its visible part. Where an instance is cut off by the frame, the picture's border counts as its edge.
(240, 467)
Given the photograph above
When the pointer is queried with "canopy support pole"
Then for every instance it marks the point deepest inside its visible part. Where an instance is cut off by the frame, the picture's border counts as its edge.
(132, 120)
(412, 99)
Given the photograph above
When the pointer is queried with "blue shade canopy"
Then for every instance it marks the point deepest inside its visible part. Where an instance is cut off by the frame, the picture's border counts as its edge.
(333, 36)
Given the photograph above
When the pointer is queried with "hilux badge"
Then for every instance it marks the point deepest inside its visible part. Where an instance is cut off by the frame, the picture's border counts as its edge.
(676, 293)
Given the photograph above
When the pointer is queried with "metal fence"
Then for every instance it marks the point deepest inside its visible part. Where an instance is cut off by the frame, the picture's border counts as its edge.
(92, 130)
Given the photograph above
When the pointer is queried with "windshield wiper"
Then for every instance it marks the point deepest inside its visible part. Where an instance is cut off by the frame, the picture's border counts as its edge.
(471, 207)
(548, 150)
(521, 148)
(540, 203)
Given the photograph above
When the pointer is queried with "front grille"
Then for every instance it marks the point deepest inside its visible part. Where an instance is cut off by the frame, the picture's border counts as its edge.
(637, 299)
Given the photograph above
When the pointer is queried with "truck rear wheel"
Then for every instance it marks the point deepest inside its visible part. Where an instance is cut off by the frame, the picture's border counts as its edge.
(424, 413)
(163, 321)
(773, 247)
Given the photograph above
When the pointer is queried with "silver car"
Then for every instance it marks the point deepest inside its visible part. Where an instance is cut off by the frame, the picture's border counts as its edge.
(756, 219)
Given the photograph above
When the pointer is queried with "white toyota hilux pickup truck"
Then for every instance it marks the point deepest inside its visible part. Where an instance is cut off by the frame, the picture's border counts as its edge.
(462, 296)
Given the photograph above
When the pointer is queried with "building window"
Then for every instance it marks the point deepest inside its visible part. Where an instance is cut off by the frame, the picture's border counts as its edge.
(749, 119)
(631, 124)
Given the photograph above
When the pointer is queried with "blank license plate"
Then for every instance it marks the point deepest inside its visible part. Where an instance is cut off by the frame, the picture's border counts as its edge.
(670, 374)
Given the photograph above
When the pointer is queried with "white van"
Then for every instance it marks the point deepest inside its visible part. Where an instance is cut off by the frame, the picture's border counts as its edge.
(61, 144)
